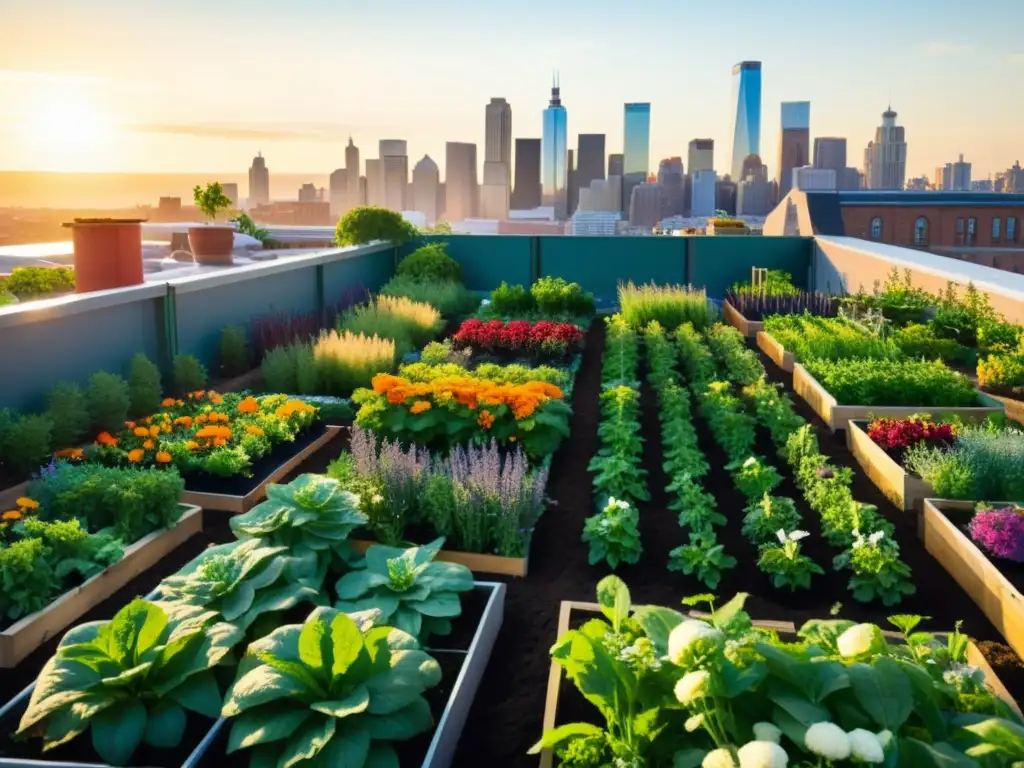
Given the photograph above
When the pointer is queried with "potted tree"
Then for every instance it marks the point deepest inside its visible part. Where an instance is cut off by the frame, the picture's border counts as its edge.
(211, 244)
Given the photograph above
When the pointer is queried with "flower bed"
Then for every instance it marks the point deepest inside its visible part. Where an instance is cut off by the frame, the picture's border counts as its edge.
(520, 338)
(746, 311)
(902, 488)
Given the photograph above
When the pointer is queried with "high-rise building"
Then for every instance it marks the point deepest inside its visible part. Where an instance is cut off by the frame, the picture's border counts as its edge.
(811, 179)
(338, 191)
(885, 159)
(672, 183)
(601, 195)
(527, 192)
(754, 193)
(353, 181)
(954, 177)
(572, 192)
(725, 196)
(494, 193)
(704, 184)
(794, 142)
(308, 193)
(830, 152)
(589, 159)
(594, 223)
(554, 153)
(615, 167)
(701, 155)
(645, 205)
(498, 138)
(395, 167)
(259, 181)
(375, 182)
(746, 138)
(230, 190)
(425, 180)
(636, 147)
(1010, 181)
(460, 182)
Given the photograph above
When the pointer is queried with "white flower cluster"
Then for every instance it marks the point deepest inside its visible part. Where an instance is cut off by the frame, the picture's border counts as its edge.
(960, 675)
(830, 741)
(614, 503)
(859, 540)
(754, 754)
(692, 686)
(687, 635)
(857, 640)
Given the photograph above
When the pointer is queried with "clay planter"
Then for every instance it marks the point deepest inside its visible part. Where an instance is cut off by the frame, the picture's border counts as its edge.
(837, 416)
(211, 245)
(749, 328)
(904, 489)
(108, 253)
(775, 351)
(476, 562)
(568, 607)
(28, 633)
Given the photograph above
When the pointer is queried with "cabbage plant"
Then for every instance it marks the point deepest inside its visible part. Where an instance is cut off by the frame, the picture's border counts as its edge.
(312, 516)
(240, 581)
(412, 592)
(131, 679)
(334, 691)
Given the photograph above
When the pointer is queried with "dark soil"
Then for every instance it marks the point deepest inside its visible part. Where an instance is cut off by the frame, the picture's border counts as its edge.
(1005, 663)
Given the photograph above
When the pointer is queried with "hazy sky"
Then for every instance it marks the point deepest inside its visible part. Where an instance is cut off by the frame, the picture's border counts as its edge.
(124, 85)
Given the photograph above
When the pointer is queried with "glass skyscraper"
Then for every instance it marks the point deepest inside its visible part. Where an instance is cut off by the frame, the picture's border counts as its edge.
(746, 140)
(553, 153)
(636, 134)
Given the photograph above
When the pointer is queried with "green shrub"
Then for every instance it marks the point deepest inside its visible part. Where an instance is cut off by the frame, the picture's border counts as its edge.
(834, 338)
(26, 441)
(448, 297)
(33, 281)
(234, 351)
(367, 223)
(408, 323)
(893, 382)
(145, 387)
(307, 375)
(278, 369)
(109, 398)
(510, 300)
(554, 297)
(69, 411)
(188, 374)
(920, 341)
(430, 262)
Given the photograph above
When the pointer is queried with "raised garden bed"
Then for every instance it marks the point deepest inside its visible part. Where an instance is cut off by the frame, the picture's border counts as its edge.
(994, 588)
(749, 328)
(475, 561)
(904, 489)
(778, 354)
(837, 416)
(240, 494)
(28, 633)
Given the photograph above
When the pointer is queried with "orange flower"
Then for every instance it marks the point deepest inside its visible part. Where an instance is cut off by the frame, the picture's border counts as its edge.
(129, 425)
(249, 405)
(154, 431)
(184, 421)
(191, 445)
(419, 406)
(524, 411)
(148, 445)
(220, 442)
(105, 438)
(179, 403)
(202, 418)
(197, 395)
(384, 382)
(485, 419)
(26, 503)
(396, 396)
(68, 453)
(148, 420)
(216, 433)
(163, 457)
(135, 455)
(11, 515)
(215, 398)
(140, 432)
(254, 430)
(167, 402)
(292, 407)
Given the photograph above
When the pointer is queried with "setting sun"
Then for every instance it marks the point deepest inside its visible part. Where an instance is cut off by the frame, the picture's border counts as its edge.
(66, 121)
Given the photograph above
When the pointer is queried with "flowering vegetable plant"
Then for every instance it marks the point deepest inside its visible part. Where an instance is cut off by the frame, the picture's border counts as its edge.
(613, 534)
(519, 337)
(999, 531)
(897, 434)
(788, 566)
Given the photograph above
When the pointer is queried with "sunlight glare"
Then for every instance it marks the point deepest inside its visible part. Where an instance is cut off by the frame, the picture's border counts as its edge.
(67, 121)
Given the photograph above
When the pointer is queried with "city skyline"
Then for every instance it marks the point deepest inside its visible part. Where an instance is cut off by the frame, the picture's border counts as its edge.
(246, 98)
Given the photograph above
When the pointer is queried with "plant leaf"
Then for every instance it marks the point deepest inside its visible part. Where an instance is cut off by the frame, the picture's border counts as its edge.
(252, 728)
(884, 692)
(563, 733)
(411, 720)
(165, 725)
(117, 730)
(308, 741)
(353, 704)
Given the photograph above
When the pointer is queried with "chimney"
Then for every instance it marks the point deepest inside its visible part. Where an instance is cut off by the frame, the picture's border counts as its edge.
(108, 253)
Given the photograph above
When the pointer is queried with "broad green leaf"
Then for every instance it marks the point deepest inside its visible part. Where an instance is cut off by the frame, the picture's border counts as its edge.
(347, 642)
(165, 725)
(238, 601)
(128, 676)
(658, 624)
(199, 693)
(613, 597)
(917, 754)
(448, 577)
(356, 584)
(789, 725)
(353, 704)
(440, 605)
(411, 673)
(1007, 736)
(413, 719)
(259, 686)
(307, 741)
(134, 630)
(381, 755)
(927, 700)
(408, 620)
(315, 647)
(60, 683)
(564, 733)
(802, 710)
(117, 731)
(67, 723)
(883, 691)
(906, 622)
(350, 748)
(724, 615)
(252, 728)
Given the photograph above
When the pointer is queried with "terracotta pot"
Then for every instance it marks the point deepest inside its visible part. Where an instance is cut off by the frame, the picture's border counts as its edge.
(211, 245)
(108, 253)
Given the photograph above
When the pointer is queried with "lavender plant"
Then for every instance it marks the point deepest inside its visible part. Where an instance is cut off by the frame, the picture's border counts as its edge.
(396, 473)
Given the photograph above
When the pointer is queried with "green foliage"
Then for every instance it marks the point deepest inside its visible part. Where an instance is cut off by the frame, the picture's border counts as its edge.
(899, 301)
(279, 368)
(440, 228)
(511, 300)
(25, 282)
(920, 342)
(211, 199)
(894, 382)
(776, 283)
(27, 579)
(765, 517)
(670, 305)
(810, 337)
(730, 425)
(450, 298)
(753, 478)
(983, 463)
(1002, 372)
(334, 691)
(130, 680)
(554, 297)
(144, 386)
(365, 224)
(247, 226)
(109, 399)
(69, 412)
(740, 364)
(412, 592)
(786, 564)
(234, 351)
(430, 262)
(409, 324)
(878, 572)
(187, 374)
(613, 534)
(71, 550)
(617, 464)
(703, 558)
(25, 441)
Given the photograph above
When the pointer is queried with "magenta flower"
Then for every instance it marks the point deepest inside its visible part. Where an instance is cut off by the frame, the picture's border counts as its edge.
(1000, 532)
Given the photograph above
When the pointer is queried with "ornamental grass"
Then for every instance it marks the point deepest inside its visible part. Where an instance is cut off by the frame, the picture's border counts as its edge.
(670, 305)
(410, 324)
(345, 361)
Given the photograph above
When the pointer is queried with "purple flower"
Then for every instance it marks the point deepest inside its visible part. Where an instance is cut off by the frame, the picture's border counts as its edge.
(825, 473)
(1000, 532)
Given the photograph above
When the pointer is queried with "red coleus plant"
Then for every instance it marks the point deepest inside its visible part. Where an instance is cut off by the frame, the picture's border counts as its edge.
(518, 336)
(897, 434)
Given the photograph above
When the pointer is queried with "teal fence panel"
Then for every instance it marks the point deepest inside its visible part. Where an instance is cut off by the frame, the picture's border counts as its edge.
(486, 260)
(599, 264)
(349, 278)
(716, 262)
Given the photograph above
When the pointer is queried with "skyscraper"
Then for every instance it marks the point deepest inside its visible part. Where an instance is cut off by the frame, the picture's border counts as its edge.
(645, 205)
(636, 147)
(746, 138)
(395, 168)
(375, 182)
(885, 159)
(701, 156)
(589, 159)
(955, 177)
(527, 194)
(703, 194)
(830, 152)
(615, 165)
(338, 191)
(460, 181)
(495, 193)
(425, 180)
(353, 192)
(554, 152)
(259, 181)
(794, 142)
(670, 179)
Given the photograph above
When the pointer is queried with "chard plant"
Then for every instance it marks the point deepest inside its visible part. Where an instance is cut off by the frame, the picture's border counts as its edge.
(312, 516)
(613, 534)
(754, 478)
(786, 564)
(767, 516)
(334, 691)
(703, 558)
(696, 507)
(878, 572)
(411, 591)
(731, 426)
(240, 580)
(130, 681)
(616, 467)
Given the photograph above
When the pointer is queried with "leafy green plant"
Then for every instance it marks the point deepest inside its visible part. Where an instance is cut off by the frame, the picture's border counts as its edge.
(753, 478)
(26, 441)
(511, 300)
(187, 374)
(741, 364)
(68, 409)
(616, 467)
(786, 564)
(71, 550)
(234, 351)
(409, 324)
(982, 463)
(211, 199)
(810, 337)
(130, 680)
(877, 569)
(696, 508)
(412, 592)
(554, 297)
(26, 282)
(670, 305)
(144, 386)
(730, 425)
(894, 382)
(27, 578)
(334, 691)
(920, 341)
(109, 398)
(367, 223)
(703, 557)
(768, 515)
(613, 534)
(240, 580)
(450, 298)
(430, 262)
(279, 369)
(247, 226)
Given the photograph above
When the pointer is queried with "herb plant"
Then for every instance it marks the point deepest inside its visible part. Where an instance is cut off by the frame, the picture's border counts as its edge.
(703, 558)
(785, 563)
(894, 382)
(187, 374)
(68, 409)
(613, 534)
(877, 569)
(767, 516)
(754, 478)
(109, 398)
(616, 467)
(144, 387)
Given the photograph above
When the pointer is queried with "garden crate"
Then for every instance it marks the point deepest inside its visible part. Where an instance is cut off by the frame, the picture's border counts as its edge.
(903, 488)
(476, 562)
(239, 503)
(555, 676)
(28, 633)
(778, 354)
(998, 598)
(749, 328)
(837, 416)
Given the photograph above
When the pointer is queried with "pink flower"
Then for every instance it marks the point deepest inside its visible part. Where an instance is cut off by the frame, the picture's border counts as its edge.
(1000, 532)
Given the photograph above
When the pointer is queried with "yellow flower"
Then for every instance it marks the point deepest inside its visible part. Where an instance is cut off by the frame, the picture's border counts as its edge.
(135, 455)
(26, 503)
(254, 430)
(191, 445)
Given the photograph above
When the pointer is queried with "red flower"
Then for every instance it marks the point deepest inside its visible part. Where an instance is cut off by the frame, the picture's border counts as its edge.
(898, 434)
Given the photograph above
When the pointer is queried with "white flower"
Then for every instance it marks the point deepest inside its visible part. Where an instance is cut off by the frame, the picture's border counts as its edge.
(781, 536)
(377, 498)
(856, 640)
(864, 746)
(797, 535)
(694, 722)
(828, 740)
(718, 758)
(763, 754)
(692, 686)
(751, 461)
(686, 634)
(876, 537)
(884, 738)
(767, 732)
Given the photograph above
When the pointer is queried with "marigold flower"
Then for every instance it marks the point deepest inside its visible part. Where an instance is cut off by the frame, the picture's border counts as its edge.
(248, 405)
(129, 425)
(215, 398)
(149, 445)
(485, 419)
(135, 455)
(163, 457)
(167, 402)
(26, 503)
(383, 382)
(420, 406)
(184, 421)
(202, 418)
(105, 438)
(148, 420)
(68, 453)
(140, 432)
(191, 445)
(179, 403)
(154, 431)
(219, 442)
(254, 430)
(11, 515)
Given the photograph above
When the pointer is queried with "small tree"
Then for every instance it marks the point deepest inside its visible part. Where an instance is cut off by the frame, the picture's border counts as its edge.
(368, 223)
(247, 226)
(211, 200)
(440, 228)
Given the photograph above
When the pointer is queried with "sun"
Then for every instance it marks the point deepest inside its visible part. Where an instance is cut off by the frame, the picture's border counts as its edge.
(66, 121)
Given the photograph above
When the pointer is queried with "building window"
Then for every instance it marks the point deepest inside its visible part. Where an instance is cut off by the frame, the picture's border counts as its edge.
(996, 226)
(921, 231)
(1011, 229)
(876, 228)
(960, 230)
(972, 227)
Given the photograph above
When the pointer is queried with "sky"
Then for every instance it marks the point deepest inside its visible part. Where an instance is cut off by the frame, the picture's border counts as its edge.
(188, 86)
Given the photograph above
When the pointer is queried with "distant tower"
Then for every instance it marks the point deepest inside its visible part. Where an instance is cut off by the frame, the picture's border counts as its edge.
(394, 159)
(589, 159)
(259, 182)
(353, 187)
(460, 185)
(746, 139)
(885, 159)
(636, 148)
(426, 178)
(494, 196)
(794, 142)
(527, 193)
(554, 152)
